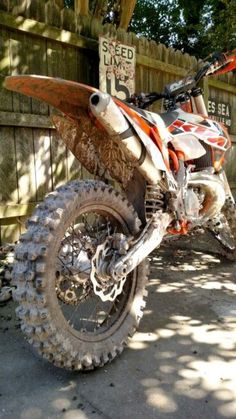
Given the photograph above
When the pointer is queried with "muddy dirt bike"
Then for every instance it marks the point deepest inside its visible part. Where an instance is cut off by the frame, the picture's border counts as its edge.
(81, 267)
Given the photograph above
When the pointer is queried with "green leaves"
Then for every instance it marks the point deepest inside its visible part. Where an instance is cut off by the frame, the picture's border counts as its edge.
(197, 28)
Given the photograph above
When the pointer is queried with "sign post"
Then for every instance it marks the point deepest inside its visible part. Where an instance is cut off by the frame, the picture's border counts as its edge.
(116, 68)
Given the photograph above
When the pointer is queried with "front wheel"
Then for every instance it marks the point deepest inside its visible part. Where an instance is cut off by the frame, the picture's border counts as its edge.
(60, 313)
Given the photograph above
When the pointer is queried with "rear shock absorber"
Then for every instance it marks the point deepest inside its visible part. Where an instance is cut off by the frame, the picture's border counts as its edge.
(154, 200)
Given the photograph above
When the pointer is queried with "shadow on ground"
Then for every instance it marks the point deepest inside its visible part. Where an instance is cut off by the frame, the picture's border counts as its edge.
(180, 364)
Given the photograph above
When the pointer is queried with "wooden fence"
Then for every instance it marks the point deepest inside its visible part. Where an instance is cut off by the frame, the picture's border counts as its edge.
(41, 37)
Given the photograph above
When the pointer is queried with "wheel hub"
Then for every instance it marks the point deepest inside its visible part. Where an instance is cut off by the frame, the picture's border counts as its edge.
(70, 291)
(72, 277)
(103, 284)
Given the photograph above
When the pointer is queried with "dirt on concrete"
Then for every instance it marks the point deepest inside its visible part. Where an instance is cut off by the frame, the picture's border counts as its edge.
(180, 364)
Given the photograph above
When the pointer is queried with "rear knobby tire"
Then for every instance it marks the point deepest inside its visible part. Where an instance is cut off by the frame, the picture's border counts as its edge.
(39, 309)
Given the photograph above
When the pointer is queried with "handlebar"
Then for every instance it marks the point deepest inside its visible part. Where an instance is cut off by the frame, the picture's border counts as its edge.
(218, 63)
(143, 100)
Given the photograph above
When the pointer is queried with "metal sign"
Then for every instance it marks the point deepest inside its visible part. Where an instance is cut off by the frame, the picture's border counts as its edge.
(220, 111)
(116, 68)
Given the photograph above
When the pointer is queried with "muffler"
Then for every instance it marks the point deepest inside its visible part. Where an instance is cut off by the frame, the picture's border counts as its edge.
(112, 119)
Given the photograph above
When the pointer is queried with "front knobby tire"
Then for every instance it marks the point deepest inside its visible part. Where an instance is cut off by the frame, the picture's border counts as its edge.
(91, 340)
(225, 231)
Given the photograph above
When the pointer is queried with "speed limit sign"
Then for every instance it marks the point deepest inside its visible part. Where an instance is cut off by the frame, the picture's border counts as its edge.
(116, 68)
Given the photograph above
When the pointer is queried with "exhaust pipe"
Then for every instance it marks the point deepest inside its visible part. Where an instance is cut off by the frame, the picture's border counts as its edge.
(214, 193)
(112, 119)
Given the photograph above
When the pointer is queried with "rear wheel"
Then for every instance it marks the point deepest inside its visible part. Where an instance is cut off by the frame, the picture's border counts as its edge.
(60, 313)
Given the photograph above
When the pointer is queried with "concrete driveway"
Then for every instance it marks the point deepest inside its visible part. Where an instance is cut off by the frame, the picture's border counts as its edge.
(180, 364)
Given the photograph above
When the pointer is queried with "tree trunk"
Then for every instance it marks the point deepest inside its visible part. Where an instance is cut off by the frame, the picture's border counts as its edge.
(82, 7)
(126, 12)
(59, 3)
(100, 10)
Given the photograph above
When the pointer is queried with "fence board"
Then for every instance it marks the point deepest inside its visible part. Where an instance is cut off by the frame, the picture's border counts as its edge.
(38, 66)
(19, 65)
(25, 164)
(43, 172)
(18, 119)
(5, 70)
(70, 58)
(10, 231)
(74, 169)
(55, 63)
(59, 160)
(8, 178)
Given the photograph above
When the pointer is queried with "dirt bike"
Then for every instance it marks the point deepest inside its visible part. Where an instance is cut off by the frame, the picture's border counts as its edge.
(81, 266)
